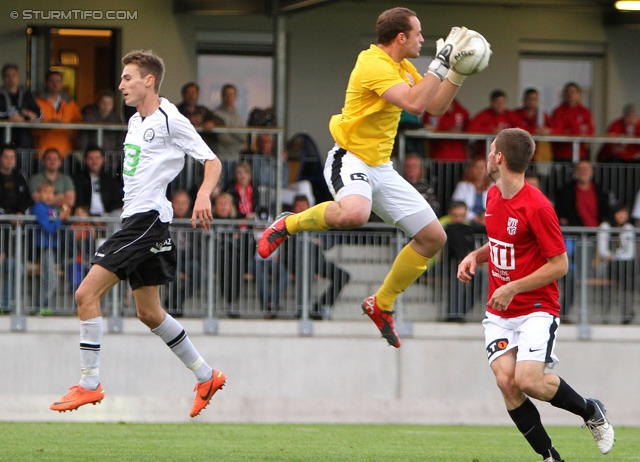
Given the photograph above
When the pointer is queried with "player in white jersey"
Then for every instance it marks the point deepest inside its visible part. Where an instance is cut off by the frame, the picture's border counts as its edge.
(142, 251)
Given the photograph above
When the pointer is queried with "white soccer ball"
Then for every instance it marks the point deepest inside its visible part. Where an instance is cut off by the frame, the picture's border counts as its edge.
(478, 60)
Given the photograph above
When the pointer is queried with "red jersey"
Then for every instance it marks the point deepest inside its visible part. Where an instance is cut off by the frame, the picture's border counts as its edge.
(530, 123)
(621, 152)
(523, 232)
(568, 120)
(454, 120)
(489, 121)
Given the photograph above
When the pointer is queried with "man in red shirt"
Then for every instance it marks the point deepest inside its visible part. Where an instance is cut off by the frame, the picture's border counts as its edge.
(494, 118)
(526, 256)
(536, 122)
(454, 120)
(627, 125)
(571, 118)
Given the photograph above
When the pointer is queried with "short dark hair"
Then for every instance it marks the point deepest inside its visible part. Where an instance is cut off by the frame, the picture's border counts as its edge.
(91, 148)
(8, 66)
(391, 22)
(7, 147)
(189, 85)
(300, 198)
(497, 94)
(50, 73)
(517, 146)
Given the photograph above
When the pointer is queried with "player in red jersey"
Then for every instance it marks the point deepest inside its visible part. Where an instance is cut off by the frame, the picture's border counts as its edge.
(526, 256)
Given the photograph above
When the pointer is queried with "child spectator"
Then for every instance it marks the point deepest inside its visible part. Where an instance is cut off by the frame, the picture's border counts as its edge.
(49, 222)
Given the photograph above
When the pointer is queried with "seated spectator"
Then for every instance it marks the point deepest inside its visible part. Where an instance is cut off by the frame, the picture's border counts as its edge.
(96, 190)
(536, 122)
(472, 189)
(46, 239)
(15, 199)
(241, 188)
(616, 258)
(571, 118)
(627, 125)
(65, 192)
(493, 119)
(319, 267)
(584, 203)
(56, 107)
(460, 241)
(17, 104)
(102, 112)
(454, 120)
(228, 258)
(412, 172)
(264, 173)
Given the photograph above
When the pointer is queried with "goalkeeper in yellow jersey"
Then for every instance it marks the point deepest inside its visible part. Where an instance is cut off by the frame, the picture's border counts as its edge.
(358, 169)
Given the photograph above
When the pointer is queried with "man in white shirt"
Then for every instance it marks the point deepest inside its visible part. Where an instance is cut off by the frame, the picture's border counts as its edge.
(142, 251)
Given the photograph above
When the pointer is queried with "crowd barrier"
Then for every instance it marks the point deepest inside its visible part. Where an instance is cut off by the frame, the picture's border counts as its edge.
(313, 276)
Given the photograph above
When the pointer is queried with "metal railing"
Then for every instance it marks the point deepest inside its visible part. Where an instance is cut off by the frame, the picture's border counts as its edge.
(313, 276)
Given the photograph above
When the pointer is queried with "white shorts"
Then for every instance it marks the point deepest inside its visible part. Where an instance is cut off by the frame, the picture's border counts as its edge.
(392, 198)
(534, 335)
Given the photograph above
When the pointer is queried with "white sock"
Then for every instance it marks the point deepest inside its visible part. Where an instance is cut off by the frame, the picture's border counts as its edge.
(172, 333)
(90, 340)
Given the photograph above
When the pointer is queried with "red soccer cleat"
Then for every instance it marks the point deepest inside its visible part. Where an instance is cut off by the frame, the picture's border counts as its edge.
(382, 319)
(273, 236)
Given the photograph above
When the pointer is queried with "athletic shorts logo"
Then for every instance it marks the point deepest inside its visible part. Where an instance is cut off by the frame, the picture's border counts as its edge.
(496, 346)
(359, 177)
(148, 134)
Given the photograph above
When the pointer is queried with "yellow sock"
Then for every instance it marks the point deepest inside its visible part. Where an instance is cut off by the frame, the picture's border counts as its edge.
(407, 267)
(311, 219)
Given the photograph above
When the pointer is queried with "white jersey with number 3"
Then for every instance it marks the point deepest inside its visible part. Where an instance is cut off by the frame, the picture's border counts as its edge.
(154, 150)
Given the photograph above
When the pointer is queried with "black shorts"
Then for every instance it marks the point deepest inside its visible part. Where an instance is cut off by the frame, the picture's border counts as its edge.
(142, 251)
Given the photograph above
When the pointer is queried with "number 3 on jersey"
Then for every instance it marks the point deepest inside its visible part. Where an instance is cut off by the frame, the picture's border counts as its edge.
(131, 159)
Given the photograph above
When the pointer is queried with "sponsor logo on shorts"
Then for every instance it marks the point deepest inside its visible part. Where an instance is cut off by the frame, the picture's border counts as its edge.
(496, 346)
(164, 246)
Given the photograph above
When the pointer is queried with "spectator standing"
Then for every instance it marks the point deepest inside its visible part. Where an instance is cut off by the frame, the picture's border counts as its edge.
(472, 189)
(49, 222)
(454, 120)
(96, 190)
(412, 171)
(102, 112)
(492, 119)
(65, 192)
(230, 144)
(57, 107)
(17, 104)
(571, 117)
(15, 199)
(627, 125)
(199, 116)
(616, 258)
(537, 122)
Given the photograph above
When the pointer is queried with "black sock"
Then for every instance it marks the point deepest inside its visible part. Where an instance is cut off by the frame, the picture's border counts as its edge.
(568, 399)
(527, 419)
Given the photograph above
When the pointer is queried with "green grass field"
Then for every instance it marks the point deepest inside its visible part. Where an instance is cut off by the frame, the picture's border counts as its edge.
(290, 442)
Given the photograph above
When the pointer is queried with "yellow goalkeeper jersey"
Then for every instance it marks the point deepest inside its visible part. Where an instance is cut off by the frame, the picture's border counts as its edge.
(368, 124)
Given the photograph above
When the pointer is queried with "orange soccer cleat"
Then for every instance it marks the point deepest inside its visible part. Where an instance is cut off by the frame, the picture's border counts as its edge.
(205, 391)
(77, 397)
